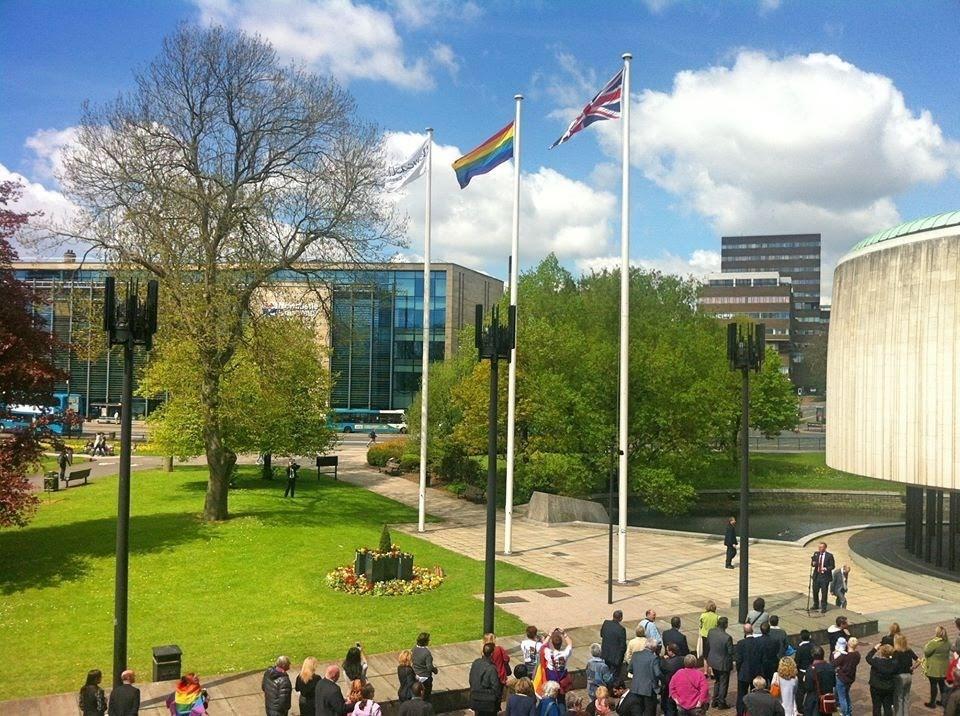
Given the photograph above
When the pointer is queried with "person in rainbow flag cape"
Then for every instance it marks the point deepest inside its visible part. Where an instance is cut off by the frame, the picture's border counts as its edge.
(188, 699)
(552, 664)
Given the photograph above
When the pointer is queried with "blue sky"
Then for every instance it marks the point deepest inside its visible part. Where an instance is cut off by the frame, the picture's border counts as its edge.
(749, 117)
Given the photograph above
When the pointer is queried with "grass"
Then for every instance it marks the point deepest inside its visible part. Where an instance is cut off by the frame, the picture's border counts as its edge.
(49, 463)
(805, 471)
(232, 595)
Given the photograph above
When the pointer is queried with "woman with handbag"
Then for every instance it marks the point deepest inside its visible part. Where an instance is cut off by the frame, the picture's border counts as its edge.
(820, 686)
(784, 685)
(883, 676)
(907, 662)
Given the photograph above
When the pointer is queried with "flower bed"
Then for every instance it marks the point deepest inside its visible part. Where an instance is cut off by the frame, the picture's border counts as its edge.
(383, 566)
(345, 579)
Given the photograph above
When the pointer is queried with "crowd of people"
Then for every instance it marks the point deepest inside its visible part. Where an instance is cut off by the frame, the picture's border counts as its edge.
(652, 673)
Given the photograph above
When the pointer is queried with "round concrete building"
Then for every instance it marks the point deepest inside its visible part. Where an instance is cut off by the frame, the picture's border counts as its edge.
(893, 375)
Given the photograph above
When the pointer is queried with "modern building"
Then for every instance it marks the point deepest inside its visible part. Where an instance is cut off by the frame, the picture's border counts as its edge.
(894, 374)
(795, 257)
(371, 322)
(764, 296)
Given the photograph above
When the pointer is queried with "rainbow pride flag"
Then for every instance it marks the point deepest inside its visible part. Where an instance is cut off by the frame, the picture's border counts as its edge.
(494, 151)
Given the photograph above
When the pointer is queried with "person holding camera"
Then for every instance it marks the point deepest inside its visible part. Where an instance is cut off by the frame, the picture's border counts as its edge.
(292, 475)
(557, 649)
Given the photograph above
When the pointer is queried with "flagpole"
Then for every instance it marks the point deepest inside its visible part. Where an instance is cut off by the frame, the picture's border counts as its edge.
(425, 365)
(624, 321)
(512, 380)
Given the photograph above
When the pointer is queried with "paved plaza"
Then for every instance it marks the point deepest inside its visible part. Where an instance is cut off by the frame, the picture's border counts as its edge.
(673, 573)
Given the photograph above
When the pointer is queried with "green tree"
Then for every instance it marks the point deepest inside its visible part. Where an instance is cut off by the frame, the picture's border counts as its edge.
(222, 169)
(274, 393)
(774, 404)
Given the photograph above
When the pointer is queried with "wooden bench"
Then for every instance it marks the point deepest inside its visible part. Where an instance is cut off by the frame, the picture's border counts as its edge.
(327, 461)
(81, 474)
(392, 467)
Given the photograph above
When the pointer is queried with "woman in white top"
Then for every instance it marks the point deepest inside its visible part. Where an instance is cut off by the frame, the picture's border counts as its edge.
(530, 650)
(786, 680)
(367, 706)
(556, 654)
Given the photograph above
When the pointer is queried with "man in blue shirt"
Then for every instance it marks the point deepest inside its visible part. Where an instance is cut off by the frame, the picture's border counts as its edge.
(650, 629)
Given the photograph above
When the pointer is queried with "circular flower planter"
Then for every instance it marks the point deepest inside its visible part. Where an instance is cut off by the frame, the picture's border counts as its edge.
(346, 579)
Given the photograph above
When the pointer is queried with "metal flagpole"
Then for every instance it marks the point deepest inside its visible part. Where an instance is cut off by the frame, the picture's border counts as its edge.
(624, 320)
(425, 365)
(512, 378)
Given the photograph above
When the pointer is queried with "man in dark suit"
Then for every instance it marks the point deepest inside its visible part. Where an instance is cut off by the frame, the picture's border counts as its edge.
(647, 675)
(416, 706)
(613, 644)
(720, 659)
(730, 540)
(125, 699)
(769, 650)
(329, 698)
(779, 636)
(823, 565)
(747, 657)
(673, 635)
(628, 704)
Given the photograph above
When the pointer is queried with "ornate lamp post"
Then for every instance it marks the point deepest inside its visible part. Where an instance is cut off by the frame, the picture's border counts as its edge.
(494, 343)
(745, 348)
(128, 322)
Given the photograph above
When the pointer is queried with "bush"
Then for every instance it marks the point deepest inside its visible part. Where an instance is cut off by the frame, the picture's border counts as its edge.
(552, 472)
(409, 462)
(385, 541)
(456, 466)
(379, 453)
(661, 490)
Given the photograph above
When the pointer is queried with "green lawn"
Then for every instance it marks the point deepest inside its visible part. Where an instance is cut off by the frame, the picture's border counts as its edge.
(48, 463)
(806, 470)
(232, 595)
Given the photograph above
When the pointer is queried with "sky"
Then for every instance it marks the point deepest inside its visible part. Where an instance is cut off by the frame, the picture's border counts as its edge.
(747, 117)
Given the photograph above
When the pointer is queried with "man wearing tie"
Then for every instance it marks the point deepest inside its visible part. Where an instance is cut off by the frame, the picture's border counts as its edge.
(823, 566)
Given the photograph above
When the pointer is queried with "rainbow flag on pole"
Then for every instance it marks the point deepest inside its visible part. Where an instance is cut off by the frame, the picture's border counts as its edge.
(494, 151)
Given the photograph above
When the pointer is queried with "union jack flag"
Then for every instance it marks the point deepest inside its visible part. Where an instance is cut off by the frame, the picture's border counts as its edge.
(605, 105)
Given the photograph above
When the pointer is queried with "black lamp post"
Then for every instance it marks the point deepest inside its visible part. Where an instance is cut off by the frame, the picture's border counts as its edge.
(128, 322)
(745, 347)
(494, 342)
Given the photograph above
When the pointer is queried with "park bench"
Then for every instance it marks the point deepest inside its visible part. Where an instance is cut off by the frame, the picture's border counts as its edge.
(392, 467)
(327, 461)
(81, 474)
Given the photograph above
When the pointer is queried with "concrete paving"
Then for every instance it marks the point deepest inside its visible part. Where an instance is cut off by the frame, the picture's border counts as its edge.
(673, 573)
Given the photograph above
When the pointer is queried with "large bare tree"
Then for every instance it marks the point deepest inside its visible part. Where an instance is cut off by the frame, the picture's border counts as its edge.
(221, 168)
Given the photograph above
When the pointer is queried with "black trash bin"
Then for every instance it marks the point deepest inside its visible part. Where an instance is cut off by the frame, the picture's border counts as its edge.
(166, 662)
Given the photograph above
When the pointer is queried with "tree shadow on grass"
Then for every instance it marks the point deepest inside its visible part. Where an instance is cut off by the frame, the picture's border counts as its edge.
(41, 557)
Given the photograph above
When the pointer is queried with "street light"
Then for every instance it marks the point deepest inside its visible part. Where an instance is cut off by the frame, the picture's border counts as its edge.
(494, 342)
(745, 348)
(128, 322)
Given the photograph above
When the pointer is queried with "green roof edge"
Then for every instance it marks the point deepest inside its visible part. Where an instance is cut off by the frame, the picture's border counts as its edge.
(937, 221)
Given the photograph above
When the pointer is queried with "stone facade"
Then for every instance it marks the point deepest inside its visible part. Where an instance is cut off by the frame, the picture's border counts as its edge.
(893, 373)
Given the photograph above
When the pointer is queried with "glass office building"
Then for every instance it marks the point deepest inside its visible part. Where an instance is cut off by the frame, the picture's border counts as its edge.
(372, 326)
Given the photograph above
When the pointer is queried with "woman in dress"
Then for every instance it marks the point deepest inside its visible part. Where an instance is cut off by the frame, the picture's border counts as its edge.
(405, 675)
(786, 679)
(92, 700)
(306, 685)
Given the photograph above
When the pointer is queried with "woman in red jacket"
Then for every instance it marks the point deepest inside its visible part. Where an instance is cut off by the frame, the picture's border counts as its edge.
(500, 658)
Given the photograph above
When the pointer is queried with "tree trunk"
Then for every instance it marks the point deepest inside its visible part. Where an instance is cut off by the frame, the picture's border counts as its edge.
(220, 460)
(267, 472)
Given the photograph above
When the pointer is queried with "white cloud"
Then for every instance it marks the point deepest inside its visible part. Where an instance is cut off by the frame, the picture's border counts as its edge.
(421, 13)
(346, 39)
(444, 56)
(56, 208)
(698, 264)
(806, 143)
(769, 5)
(473, 226)
(48, 147)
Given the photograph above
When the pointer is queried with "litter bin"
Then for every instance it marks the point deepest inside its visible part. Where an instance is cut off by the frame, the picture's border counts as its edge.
(166, 662)
(51, 481)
